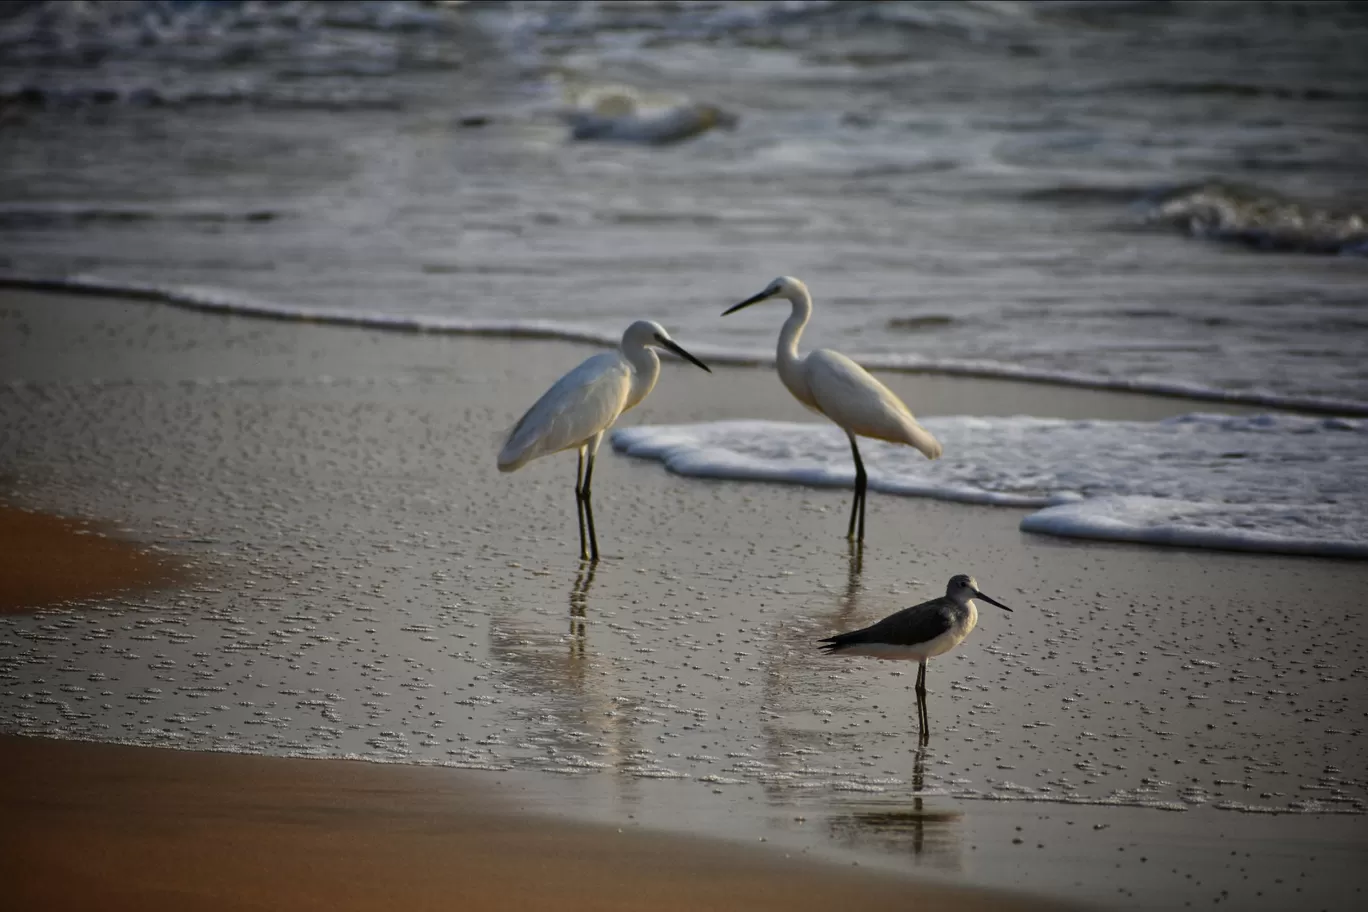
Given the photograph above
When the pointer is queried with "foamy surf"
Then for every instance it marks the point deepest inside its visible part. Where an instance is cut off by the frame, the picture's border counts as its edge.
(1271, 483)
(214, 300)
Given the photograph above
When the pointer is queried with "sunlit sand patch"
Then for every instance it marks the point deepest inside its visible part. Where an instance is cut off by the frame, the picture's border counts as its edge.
(50, 560)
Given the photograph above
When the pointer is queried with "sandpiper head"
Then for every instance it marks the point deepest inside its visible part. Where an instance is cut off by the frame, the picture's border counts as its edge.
(645, 333)
(963, 587)
(782, 287)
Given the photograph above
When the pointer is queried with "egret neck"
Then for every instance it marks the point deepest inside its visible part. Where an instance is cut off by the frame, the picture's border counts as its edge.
(786, 355)
(645, 371)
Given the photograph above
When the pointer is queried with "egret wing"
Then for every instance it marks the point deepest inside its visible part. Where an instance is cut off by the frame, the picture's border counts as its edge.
(579, 405)
(850, 396)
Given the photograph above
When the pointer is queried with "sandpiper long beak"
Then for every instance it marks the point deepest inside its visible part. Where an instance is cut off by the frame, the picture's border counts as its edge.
(762, 296)
(678, 350)
(980, 595)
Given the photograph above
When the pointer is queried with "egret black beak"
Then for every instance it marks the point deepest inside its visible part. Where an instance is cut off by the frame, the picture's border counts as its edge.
(675, 347)
(762, 296)
(980, 595)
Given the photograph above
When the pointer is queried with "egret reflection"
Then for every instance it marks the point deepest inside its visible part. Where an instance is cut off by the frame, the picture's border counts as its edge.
(850, 601)
(579, 609)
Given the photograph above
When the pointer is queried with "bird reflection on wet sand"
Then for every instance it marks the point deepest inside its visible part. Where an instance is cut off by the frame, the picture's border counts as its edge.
(931, 833)
(552, 667)
(854, 578)
(579, 609)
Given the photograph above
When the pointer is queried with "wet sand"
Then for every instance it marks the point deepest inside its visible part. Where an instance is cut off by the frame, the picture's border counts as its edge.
(118, 827)
(1151, 727)
(51, 560)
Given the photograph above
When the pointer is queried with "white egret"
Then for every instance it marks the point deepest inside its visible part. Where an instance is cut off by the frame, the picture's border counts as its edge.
(918, 633)
(579, 407)
(831, 384)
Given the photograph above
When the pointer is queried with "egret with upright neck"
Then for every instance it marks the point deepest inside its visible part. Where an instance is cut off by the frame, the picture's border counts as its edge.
(832, 385)
(579, 407)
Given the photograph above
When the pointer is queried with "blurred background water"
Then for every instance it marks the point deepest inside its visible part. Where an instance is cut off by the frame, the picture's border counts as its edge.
(1151, 194)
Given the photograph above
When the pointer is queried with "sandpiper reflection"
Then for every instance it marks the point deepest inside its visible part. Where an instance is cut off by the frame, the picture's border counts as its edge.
(915, 824)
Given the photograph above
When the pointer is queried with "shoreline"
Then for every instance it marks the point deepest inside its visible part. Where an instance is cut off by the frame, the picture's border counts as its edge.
(223, 304)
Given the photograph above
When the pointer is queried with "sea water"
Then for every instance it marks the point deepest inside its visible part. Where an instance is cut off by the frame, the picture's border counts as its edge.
(1142, 196)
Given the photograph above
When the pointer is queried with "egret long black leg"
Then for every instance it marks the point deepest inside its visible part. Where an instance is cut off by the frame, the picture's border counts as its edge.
(588, 507)
(579, 503)
(861, 482)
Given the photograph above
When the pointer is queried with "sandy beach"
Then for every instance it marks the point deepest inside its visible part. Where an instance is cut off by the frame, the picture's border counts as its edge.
(51, 560)
(1150, 728)
(126, 828)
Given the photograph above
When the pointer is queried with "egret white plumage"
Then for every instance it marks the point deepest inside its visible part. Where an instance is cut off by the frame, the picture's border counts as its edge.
(918, 633)
(829, 383)
(579, 407)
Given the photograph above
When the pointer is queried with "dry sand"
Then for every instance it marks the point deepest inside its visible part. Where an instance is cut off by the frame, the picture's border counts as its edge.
(50, 560)
(113, 827)
(380, 591)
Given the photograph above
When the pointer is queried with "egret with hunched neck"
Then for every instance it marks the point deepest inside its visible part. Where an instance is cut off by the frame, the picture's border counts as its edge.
(579, 407)
(832, 385)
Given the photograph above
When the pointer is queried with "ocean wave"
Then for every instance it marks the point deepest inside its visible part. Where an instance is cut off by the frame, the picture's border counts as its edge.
(1085, 195)
(37, 96)
(703, 19)
(760, 19)
(1258, 218)
(1232, 89)
(1271, 483)
(160, 53)
(63, 32)
(218, 301)
(21, 215)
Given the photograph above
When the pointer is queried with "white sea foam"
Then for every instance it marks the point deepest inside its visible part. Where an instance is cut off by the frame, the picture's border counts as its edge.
(216, 300)
(1280, 483)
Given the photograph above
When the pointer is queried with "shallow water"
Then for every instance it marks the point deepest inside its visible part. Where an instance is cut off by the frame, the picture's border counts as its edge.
(981, 186)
